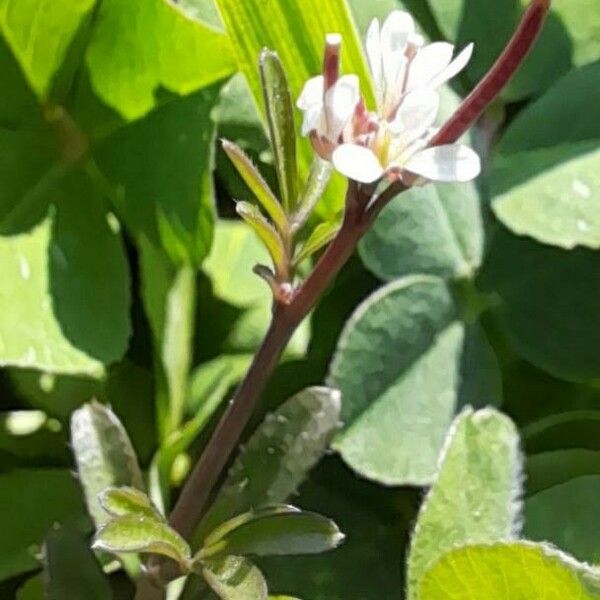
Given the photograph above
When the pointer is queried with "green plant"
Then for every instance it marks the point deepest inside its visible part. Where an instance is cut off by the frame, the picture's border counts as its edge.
(123, 283)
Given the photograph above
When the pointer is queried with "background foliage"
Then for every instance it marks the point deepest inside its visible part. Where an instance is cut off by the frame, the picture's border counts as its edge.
(126, 279)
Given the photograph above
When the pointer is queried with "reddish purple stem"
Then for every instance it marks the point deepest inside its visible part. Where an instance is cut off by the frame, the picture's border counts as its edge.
(497, 77)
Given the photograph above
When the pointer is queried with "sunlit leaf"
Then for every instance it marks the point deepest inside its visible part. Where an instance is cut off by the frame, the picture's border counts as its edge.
(482, 452)
(319, 238)
(509, 571)
(235, 578)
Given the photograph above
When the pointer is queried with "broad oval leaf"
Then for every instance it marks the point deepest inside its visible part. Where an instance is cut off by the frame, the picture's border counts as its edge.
(544, 179)
(64, 273)
(482, 452)
(547, 304)
(566, 515)
(142, 533)
(435, 229)
(278, 456)
(235, 578)
(404, 363)
(127, 70)
(509, 571)
(104, 455)
(50, 36)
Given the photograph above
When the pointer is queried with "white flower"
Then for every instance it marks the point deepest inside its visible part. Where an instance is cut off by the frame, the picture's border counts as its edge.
(327, 112)
(400, 63)
(401, 145)
(407, 74)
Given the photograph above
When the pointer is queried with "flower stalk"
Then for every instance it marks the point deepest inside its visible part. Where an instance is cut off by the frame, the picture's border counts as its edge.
(362, 206)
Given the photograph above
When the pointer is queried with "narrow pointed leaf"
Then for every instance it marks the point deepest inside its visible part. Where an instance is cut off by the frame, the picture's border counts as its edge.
(235, 578)
(122, 501)
(254, 180)
(320, 237)
(104, 455)
(279, 535)
(482, 452)
(507, 571)
(141, 533)
(314, 188)
(280, 119)
(266, 233)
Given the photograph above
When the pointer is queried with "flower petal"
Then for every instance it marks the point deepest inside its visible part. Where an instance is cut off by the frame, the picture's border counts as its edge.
(312, 93)
(395, 33)
(340, 104)
(416, 114)
(373, 46)
(454, 162)
(357, 163)
(455, 67)
(429, 62)
(312, 119)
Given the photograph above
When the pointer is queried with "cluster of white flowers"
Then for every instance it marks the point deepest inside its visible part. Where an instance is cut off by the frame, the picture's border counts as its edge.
(393, 141)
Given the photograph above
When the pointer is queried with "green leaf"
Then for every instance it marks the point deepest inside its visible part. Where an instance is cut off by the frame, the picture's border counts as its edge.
(66, 276)
(547, 304)
(63, 550)
(509, 571)
(104, 455)
(121, 501)
(33, 589)
(235, 578)
(278, 534)
(404, 362)
(490, 24)
(142, 533)
(544, 180)
(320, 236)
(435, 229)
(266, 233)
(280, 119)
(482, 452)
(127, 70)
(295, 30)
(566, 515)
(316, 183)
(257, 184)
(278, 456)
(32, 501)
(548, 469)
(160, 175)
(40, 32)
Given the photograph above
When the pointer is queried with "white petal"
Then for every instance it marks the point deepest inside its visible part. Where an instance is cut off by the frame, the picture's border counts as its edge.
(454, 68)
(312, 93)
(395, 33)
(358, 163)
(416, 114)
(373, 45)
(429, 62)
(312, 119)
(445, 163)
(340, 104)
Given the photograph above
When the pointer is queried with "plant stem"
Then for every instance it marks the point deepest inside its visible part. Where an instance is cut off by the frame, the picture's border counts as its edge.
(286, 317)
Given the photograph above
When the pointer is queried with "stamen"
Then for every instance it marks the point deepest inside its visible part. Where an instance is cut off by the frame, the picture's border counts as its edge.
(497, 77)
